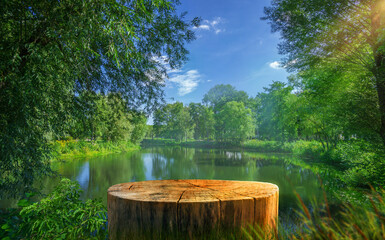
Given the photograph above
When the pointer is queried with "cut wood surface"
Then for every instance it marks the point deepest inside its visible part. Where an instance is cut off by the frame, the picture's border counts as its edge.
(189, 208)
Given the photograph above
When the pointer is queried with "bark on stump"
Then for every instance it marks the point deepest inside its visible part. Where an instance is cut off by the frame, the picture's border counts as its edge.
(182, 209)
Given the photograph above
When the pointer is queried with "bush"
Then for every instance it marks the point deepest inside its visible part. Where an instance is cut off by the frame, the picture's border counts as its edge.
(265, 146)
(312, 149)
(364, 163)
(61, 215)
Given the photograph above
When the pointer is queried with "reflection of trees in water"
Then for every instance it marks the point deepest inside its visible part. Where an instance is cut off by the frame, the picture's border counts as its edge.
(173, 163)
(104, 171)
(182, 163)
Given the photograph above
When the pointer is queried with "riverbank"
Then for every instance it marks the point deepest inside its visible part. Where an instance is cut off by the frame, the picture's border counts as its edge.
(66, 149)
(303, 148)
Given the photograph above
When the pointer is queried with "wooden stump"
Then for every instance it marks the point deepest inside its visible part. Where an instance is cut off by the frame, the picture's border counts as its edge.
(189, 208)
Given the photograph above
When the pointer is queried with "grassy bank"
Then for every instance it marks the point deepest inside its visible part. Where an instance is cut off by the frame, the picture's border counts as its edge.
(65, 149)
(303, 148)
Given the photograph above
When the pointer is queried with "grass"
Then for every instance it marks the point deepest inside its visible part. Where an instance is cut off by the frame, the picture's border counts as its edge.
(350, 222)
(66, 149)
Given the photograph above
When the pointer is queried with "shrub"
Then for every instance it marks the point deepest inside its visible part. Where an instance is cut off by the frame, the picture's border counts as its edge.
(363, 162)
(61, 215)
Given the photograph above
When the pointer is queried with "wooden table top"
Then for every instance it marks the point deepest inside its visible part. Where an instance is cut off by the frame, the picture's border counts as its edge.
(191, 190)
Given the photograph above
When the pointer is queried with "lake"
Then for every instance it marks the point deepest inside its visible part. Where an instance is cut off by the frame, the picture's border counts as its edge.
(96, 174)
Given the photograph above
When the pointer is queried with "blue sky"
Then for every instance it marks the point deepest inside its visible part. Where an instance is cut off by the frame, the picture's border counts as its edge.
(233, 46)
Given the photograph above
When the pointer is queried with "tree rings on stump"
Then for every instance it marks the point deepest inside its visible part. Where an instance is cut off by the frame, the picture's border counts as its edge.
(163, 209)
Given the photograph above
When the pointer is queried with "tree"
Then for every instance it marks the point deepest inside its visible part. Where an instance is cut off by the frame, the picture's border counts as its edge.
(337, 105)
(334, 31)
(174, 121)
(51, 51)
(203, 118)
(112, 120)
(278, 115)
(139, 120)
(234, 123)
(221, 94)
(150, 131)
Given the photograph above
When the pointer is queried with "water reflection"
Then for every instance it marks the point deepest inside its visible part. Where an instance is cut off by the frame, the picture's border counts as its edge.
(84, 175)
(96, 174)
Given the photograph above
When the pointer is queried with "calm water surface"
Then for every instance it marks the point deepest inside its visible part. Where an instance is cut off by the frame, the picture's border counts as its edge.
(95, 175)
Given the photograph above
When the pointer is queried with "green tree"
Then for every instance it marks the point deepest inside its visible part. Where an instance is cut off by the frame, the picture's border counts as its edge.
(203, 118)
(234, 123)
(51, 51)
(221, 94)
(334, 31)
(150, 133)
(139, 120)
(174, 121)
(112, 121)
(336, 105)
(278, 115)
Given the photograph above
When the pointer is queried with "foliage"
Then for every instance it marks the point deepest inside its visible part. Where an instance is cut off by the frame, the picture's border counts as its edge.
(174, 121)
(71, 148)
(150, 133)
(111, 119)
(265, 146)
(348, 34)
(301, 148)
(277, 114)
(363, 163)
(203, 118)
(234, 123)
(52, 51)
(353, 222)
(310, 149)
(61, 215)
(221, 94)
(106, 117)
(350, 222)
(139, 120)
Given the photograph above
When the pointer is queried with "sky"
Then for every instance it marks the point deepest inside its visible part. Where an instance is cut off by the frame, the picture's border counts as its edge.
(233, 46)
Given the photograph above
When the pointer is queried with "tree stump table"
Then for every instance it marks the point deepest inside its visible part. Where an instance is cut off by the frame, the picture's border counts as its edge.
(163, 209)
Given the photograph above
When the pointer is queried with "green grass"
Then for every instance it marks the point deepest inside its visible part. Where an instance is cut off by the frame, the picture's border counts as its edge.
(66, 149)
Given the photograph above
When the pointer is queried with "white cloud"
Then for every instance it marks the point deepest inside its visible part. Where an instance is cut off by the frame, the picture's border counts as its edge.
(213, 25)
(275, 65)
(203, 27)
(186, 82)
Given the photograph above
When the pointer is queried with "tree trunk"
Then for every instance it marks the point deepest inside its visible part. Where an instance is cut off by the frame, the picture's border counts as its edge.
(379, 61)
(190, 209)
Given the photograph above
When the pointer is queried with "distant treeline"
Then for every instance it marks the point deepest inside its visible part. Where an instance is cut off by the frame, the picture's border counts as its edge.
(308, 107)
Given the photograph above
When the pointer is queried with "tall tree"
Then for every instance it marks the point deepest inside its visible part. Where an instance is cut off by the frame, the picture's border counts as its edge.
(53, 50)
(139, 120)
(221, 94)
(234, 123)
(174, 121)
(277, 115)
(203, 118)
(316, 31)
(112, 120)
